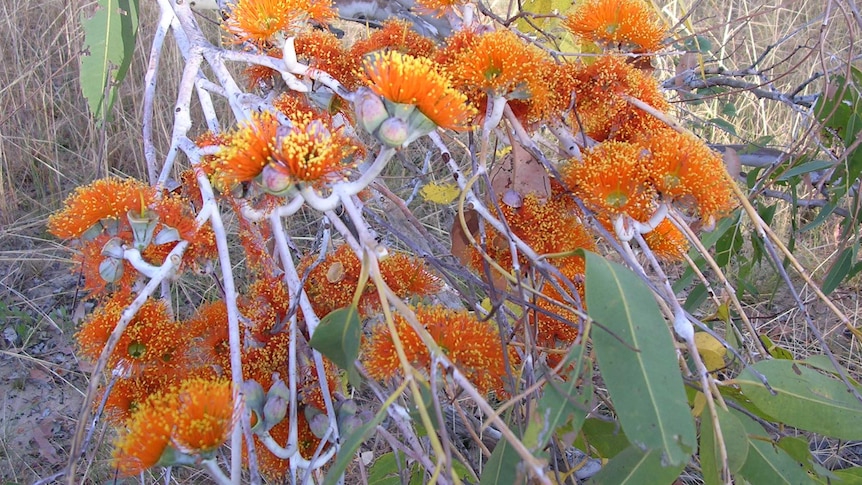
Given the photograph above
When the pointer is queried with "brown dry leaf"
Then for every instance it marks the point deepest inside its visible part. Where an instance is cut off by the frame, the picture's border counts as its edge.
(41, 433)
(461, 246)
(520, 172)
(687, 61)
(732, 162)
(39, 375)
(460, 242)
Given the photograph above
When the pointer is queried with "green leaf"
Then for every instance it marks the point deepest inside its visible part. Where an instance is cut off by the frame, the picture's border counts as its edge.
(840, 269)
(635, 467)
(766, 462)
(350, 444)
(735, 443)
(386, 469)
(337, 337)
(799, 450)
(605, 437)
(109, 41)
(502, 466)
(805, 398)
(804, 168)
(562, 402)
(774, 350)
(724, 125)
(849, 476)
(637, 358)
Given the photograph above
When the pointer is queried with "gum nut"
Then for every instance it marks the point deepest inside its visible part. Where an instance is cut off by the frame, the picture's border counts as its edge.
(274, 180)
(393, 132)
(274, 411)
(370, 110)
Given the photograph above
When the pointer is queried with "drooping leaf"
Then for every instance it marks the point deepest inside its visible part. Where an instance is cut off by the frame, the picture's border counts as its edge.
(109, 41)
(635, 467)
(735, 441)
(804, 168)
(337, 337)
(775, 350)
(840, 269)
(605, 437)
(386, 469)
(563, 401)
(804, 398)
(849, 476)
(766, 462)
(799, 450)
(637, 358)
(502, 467)
(350, 444)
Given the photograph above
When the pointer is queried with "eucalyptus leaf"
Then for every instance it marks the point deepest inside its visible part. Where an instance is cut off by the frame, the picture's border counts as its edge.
(638, 362)
(109, 41)
(804, 398)
(338, 336)
(636, 467)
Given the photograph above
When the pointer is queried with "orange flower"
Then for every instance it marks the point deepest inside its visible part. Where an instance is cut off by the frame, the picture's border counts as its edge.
(472, 345)
(418, 81)
(206, 413)
(151, 340)
(258, 76)
(685, 170)
(258, 21)
(270, 355)
(249, 150)
(438, 7)
(499, 63)
(629, 25)
(147, 435)
(666, 241)
(322, 50)
(311, 152)
(208, 336)
(549, 227)
(602, 110)
(395, 35)
(103, 200)
(332, 283)
(611, 179)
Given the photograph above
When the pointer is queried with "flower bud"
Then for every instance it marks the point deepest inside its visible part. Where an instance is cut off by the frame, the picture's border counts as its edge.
(317, 421)
(278, 388)
(113, 248)
(370, 110)
(350, 424)
(274, 180)
(347, 408)
(393, 132)
(274, 411)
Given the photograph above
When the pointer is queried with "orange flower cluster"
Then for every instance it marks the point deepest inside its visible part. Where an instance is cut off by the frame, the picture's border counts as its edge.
(311, 151)
(260, 22)
(499, 63)
(616, 178)
(548, 226)
(332, 283)
(404, 79)
(628, 25)
(194, 419)
(472, 345)
(101, 216)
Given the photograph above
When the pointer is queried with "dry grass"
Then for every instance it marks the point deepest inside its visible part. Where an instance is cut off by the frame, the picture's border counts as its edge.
(49, 145)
